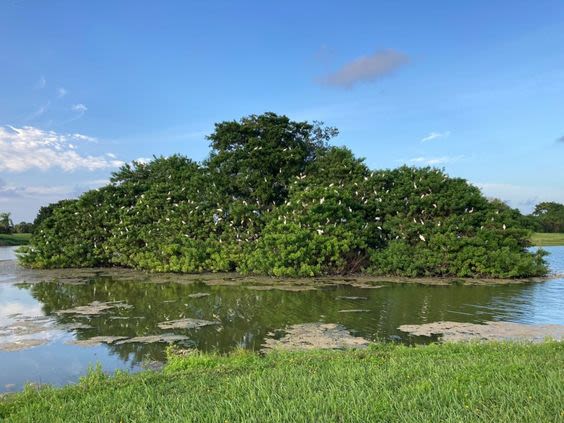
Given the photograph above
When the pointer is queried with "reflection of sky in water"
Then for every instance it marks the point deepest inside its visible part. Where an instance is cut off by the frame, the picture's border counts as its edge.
(55, 364)
(246, 315)
(7, 253)
(14, 300)
(535, 303)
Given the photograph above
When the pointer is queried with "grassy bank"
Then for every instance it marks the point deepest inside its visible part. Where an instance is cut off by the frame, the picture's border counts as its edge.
(547, 239)
(451, 382)
(8, 240)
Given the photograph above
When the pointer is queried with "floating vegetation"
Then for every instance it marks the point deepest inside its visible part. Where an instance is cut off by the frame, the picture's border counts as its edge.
(291, 288)
(168, 338)
(95, 308)
(490, 331)
(187, 324)
(306, 336)
(97, 340)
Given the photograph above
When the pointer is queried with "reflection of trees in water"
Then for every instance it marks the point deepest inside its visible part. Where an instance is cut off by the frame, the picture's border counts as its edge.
(248, 315)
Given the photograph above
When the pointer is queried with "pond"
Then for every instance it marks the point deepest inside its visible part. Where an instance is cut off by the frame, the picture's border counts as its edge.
(43, 325)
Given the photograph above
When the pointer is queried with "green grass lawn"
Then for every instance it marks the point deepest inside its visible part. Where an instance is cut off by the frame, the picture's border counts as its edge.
(547, 239)
(7, 240)
(501, 382)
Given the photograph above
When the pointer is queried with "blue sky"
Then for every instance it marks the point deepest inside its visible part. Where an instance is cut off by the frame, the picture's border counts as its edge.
(475, 87)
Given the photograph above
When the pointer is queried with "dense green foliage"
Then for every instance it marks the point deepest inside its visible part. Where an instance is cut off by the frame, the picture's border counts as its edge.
(501, 382)
(274, 198)
(549, 217)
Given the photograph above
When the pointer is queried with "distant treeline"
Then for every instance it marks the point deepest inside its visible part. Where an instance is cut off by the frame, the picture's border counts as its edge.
(546, 217)
(8, 227)
(274, 198)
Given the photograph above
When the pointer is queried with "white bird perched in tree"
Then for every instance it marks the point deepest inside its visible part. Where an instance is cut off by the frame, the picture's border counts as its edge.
(504, 226)
(421, 237)
(320, 231)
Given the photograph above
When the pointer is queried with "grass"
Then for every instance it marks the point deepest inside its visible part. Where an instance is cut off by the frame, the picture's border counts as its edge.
(547, 239)
(476, 382)
(8, 240)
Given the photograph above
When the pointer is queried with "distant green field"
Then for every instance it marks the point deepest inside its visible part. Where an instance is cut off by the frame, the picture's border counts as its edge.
(547, 239)
(14, 239)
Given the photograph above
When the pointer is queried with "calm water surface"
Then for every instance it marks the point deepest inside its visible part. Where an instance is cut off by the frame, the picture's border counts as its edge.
(247, 316)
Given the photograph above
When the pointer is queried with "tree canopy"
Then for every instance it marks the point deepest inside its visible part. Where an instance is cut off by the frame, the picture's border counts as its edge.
(549, 217)
(7, 225)
(275, 198)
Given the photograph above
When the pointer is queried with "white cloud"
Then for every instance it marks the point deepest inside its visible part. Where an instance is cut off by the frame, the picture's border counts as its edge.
(433, 161)
(435, 135)
(143, 160)
(81, 108)
(27, 148)
(366, 69)
(61, 92)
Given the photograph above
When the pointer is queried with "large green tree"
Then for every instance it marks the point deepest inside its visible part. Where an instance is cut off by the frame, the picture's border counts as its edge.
(274, 198)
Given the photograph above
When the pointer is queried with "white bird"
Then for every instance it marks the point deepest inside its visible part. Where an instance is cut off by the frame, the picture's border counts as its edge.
(421, 237)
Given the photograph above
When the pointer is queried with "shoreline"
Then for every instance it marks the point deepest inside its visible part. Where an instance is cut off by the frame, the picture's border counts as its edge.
(79, 275)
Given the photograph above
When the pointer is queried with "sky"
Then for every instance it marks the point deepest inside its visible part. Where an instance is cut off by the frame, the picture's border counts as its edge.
(475, 88)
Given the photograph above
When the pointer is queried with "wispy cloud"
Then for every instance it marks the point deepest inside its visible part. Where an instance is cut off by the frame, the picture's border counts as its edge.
(80, 108)
(61, 92)
(39, 112)
(366, 69)
(435, 135)
(433, 161)
(27, 148)
(561, 139)
(41, 83)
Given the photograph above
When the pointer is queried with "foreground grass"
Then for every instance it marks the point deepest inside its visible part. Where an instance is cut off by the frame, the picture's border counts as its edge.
(453, 382)
(8, 240)
(547, 239)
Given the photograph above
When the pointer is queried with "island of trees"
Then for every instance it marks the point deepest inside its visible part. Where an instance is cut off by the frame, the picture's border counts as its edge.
(274, 198)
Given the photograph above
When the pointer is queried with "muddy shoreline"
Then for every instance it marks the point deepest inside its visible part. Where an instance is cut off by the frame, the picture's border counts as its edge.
(83, 275)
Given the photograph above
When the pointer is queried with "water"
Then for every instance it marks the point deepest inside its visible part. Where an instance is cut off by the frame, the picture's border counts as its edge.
(247, 316)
